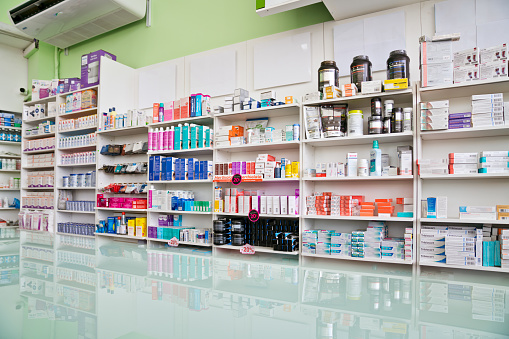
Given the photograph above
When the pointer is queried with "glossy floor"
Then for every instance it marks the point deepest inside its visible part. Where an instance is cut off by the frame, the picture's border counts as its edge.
(129, 291)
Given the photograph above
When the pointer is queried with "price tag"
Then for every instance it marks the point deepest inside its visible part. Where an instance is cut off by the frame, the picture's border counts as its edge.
(247, 249)
(253, 216)
(236, 179)
(174, 242)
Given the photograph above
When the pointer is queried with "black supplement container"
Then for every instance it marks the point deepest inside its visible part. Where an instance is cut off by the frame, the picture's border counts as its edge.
(328, 75)
(360, 70)
(397, 120)
(398, 65)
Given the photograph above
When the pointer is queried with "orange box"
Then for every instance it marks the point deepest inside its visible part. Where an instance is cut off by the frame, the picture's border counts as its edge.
(155, 113)
(383, 200)
(366, 214)
(383, 204)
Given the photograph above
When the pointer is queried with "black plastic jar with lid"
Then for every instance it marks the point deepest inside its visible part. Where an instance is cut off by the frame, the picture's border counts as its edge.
(328, 75)
(398, 65)
(360, 70)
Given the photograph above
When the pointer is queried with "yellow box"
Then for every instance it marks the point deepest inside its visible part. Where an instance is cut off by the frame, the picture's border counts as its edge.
(141, 227)
(295, 169)
(331, 92)
(290, 100)
(394, 84)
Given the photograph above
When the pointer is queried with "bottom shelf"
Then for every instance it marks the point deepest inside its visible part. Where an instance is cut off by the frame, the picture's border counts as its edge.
(259, 249)
(462, 267)
(187, 243)
(112, 235)
(385, 261)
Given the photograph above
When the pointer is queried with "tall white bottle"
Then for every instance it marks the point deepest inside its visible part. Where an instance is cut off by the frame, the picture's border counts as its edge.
(375, 160)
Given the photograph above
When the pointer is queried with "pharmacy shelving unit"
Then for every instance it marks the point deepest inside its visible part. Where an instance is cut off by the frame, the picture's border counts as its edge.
(203, 189)
(61, 170)
(14, 150)
(468, 189)
(279, 118)
(335, 149)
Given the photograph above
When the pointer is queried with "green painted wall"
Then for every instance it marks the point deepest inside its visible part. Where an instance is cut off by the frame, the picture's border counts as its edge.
(179, 28)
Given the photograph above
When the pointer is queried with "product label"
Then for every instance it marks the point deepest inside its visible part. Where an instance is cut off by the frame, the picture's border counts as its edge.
(247, 249)
(236, 179)
(358, 75)
(396, 70)
(174, 242)
(253, 216)
(327, 77)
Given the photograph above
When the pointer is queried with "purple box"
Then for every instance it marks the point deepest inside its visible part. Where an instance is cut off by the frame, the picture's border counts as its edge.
(460, 115)
(460, 121)
(455, 126)
(90, 67)
(71, 84)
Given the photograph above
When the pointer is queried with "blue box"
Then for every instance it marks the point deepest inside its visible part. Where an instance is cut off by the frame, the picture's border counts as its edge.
(157, 168)
(190, 169)
(197, 173)
(151, 168)
(432, 208)
(163, 168)
(192, 101)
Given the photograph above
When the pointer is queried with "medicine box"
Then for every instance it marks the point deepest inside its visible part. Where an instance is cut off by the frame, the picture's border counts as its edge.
(90, 67)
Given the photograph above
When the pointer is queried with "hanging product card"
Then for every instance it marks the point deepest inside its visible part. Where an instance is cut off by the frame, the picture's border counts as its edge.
(243, 178)
(247, 249)
(236, 179)
(174, 242)
(253, 216)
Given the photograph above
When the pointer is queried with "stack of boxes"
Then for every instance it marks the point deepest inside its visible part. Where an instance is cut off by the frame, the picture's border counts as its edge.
(229, 135)
(466, 65)
(407, 206)
(309, 240)
(242, 201)
(265, 165)
(478, 212)
(228, 105)
(393, 248)
(460, 247)
(368, 243)
(239, 96)
(436, 62)
(432, 166)
(408, 236)
(494, 62)
(323, 244)
(504, 247)
(434, 298)
(460, 120)
(350, 205)
(432, 243)
(494, 162)
(434, 115)
(341, 244)
(319, 203)
(463, 163)
(268, 98)
(488, 110)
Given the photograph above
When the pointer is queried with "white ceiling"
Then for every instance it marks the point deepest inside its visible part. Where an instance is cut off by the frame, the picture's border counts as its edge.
(11, 36)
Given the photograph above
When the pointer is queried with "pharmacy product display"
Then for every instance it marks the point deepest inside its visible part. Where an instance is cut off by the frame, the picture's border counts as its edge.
(118, 188)
(12, 183)
(38, 200)
(9, 120)
(171, 226)
(255, 131)
(372, 243)
(182, 137)
(441, 66)
(76, 228)
(45, 127)
(266, 166)
(39, 144)
(436, 208)
(89, 121)
(466, 163)
(277, 234)
(40, 160)
(41, 179)
(123, 225)
(77, 141)
(196, 105)
(487, 110)
(79, 180)
(125, 203)
(129, 168)
(163, 168)
(113, 120)
(239, 201)
(177, 200)
(78, 101)
(36, 220)
(10, 164)
(114, 150)
(241, 101)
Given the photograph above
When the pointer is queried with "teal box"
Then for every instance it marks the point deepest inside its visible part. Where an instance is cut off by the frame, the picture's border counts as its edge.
(207, 137)
(177, 141)
(185, 137)
(201, 137)
(193, 137)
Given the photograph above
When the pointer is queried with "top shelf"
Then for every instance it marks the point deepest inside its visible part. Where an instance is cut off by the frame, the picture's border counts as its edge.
(465, 89)
(78, 90)
(364, 100)
(204, 119)
(466, 133)
(40, 101)
(263, 112)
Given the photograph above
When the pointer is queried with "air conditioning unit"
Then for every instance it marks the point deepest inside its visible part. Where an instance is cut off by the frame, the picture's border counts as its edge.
(63, 23)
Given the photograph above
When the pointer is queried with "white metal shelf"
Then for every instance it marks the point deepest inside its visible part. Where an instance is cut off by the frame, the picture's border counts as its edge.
(10, 171)
(125, 131)
(14, 143)
(388, 261)
(178, 212)
(78, 90)
(205, 119)
(36, 167)
(77, 212)
(38, 120)
(464, 89)
(187, 243)
(75, 188)
(39, 151)
(238, 215)
(38, 136)
(261, 147)
(366, 139)
(388, 178)
(10, 156)
(191, 151)
(15, 128)
(464, 176)
(112, 235)
(91, 128)
(259, 249)
(464, 221)
(79, 113)
(466, 133)
(8, 189)
(376, 218)
(262, 112)
(75, 235)
(78, 148)
(78, 165)
(127, 210)
(180, 181)
(364, 100)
